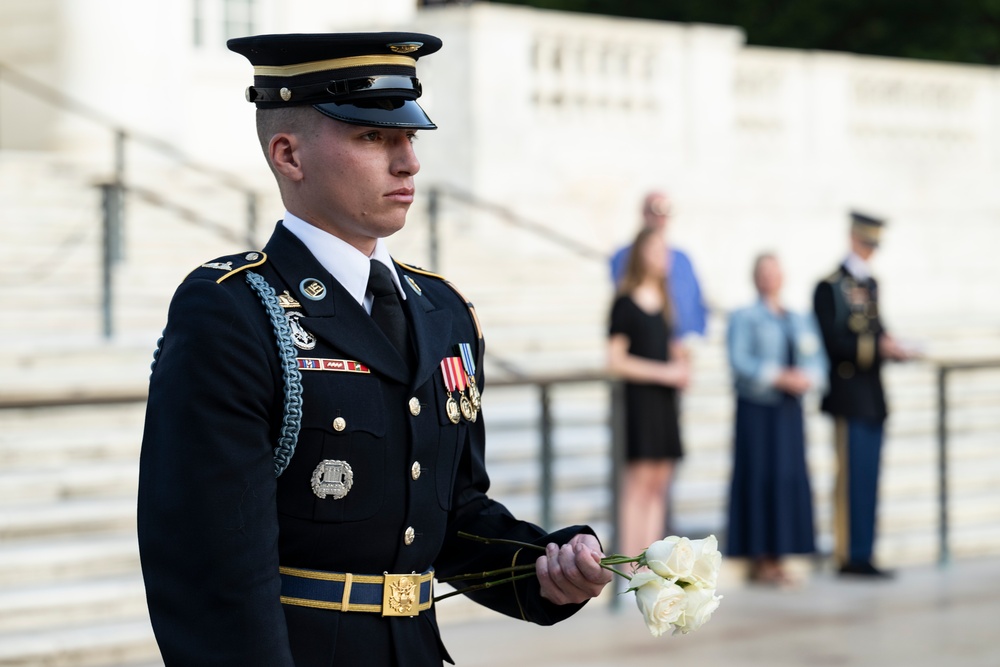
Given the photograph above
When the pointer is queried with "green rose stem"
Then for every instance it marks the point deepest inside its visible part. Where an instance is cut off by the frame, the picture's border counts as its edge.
(521, 571)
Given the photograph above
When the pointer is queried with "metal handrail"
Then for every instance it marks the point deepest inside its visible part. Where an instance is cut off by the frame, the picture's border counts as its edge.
(543, 384)
(506, 216)
(944, 369)
(113, 193)
(68, 103)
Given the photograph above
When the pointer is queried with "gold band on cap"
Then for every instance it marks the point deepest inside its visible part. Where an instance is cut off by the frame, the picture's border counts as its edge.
(333, 64)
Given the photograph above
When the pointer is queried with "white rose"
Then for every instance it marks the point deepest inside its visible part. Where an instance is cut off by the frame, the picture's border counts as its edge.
(704, 572)
(660, 601)
(701, 602)
(671, 557)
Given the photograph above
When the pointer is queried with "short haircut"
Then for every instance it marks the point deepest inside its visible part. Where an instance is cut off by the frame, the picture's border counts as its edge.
(301, 120)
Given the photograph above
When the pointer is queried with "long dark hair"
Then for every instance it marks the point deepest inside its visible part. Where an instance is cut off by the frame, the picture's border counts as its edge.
(636, 271)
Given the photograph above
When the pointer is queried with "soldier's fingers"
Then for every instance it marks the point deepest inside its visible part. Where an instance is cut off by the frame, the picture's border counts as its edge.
(547, 571)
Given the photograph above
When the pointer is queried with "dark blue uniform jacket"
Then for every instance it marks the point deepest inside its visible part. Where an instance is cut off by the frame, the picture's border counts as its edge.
(848, 316)
(215, 523)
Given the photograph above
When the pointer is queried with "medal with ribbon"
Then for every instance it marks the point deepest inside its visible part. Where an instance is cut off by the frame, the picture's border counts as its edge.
(451, 370)
(469, 363)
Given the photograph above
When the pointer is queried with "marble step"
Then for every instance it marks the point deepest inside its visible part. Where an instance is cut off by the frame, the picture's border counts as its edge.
(66, 518)
(63, 481)
(33, 608)
(93, 645)
(59, 558)
(90, 443)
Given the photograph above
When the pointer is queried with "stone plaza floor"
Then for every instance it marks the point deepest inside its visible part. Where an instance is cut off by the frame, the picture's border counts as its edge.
(926, 616)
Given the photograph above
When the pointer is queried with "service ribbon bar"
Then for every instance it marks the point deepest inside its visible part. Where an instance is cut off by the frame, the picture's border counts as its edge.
(338, 365)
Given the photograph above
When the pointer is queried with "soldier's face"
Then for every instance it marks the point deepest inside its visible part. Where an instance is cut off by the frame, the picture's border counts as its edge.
(358, 181)
(861, 248)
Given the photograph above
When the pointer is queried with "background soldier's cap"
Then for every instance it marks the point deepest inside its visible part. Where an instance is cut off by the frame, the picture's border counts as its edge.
(867, 228)
(358, 78)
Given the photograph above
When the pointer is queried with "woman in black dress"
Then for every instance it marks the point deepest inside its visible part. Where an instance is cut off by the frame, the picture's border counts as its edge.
(642, 351)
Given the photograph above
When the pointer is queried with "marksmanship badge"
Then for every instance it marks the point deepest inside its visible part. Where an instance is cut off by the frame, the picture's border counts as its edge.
(332, 478)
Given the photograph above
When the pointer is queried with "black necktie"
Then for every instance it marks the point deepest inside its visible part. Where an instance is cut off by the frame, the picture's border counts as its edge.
(387, 311)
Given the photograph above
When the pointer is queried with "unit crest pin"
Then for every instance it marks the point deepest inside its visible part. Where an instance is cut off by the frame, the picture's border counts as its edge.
(302, 338)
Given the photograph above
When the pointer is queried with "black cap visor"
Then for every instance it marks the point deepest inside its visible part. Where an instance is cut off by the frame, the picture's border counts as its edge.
(379, 113)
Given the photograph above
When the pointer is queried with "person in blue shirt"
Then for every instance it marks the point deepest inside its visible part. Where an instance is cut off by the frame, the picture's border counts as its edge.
(690, 313)
(776, 356)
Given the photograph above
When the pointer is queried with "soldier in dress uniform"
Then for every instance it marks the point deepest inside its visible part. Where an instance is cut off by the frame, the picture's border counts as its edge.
(847, 310)
(313, 443)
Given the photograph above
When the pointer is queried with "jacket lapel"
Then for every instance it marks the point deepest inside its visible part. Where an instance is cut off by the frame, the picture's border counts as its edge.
(336, 317)
(430, 327)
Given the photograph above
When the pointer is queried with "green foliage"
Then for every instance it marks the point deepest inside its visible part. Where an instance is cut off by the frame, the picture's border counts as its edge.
(955, 30)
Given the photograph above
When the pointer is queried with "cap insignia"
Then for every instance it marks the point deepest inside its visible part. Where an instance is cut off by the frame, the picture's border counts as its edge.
(285, 93)
(404, 47)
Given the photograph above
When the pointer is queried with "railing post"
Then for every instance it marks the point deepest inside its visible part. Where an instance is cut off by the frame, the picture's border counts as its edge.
(117, 230)
(617, 418)
(111, 196)
(251, 210)
(433, 212)
(546, 454)
(942, 395)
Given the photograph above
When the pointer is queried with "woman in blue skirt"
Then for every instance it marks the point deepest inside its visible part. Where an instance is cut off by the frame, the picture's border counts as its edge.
(775, 357)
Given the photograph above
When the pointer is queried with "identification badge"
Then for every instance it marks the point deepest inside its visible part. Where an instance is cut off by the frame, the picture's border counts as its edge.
(332, 478)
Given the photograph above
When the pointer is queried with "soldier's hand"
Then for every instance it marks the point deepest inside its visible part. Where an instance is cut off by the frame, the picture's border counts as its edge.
(572, 573)
(889, 348)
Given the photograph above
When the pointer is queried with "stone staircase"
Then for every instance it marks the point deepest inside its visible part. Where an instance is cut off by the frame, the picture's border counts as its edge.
(70, 590)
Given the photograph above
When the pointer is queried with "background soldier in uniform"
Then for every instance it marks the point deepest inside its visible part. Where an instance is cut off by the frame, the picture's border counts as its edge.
(847, 310)
(307, 466)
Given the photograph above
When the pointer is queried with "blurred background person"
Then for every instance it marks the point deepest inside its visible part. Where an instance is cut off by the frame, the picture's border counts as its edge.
(847, 309)
(642, 350)
(690, 313)
(775, 357)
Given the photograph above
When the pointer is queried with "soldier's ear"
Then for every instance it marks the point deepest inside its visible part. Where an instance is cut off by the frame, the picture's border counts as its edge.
(284, 152)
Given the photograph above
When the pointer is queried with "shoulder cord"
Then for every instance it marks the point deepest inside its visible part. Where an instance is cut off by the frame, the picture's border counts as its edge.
(292, 420)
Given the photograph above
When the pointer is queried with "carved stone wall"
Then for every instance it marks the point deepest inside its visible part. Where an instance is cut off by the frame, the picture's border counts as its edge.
(570, 118)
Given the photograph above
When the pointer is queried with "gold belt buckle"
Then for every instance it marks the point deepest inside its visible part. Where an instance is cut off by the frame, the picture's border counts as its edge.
(401, 594)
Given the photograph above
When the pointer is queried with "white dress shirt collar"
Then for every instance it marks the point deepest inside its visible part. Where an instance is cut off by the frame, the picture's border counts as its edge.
(858, 267)
(348, 265)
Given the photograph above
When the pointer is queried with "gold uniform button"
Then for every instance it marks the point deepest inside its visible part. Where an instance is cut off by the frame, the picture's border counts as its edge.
(339, 424)
(409, 535)
(415, 470)
(845, 369)
(414, 406)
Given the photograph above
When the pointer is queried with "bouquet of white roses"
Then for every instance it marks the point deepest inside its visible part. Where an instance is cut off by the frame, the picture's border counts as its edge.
(676, 592)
